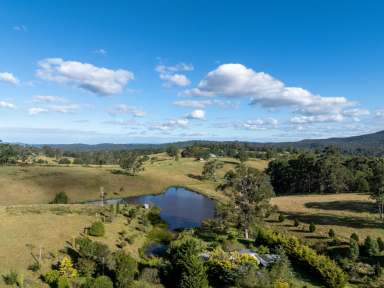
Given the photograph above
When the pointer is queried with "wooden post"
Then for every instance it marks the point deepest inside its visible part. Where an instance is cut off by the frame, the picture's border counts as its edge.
(102, 195)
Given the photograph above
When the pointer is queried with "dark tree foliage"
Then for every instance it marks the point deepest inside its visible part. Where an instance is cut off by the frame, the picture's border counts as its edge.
(64, 161)
(327, 172)
(210, 168)
(124, 267)
(172, 151)
(250, 191)
(132, 163)
(371, 248)
(8, 154)
(377, 184)
(188, 269)
(61, 198)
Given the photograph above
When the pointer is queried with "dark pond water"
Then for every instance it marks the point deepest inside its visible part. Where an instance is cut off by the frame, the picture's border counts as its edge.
(180, 207)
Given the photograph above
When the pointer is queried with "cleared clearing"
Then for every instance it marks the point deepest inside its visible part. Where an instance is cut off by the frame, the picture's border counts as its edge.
(345, 213)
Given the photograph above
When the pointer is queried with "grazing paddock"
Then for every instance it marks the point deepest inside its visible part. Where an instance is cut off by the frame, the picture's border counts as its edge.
(24, 229)
(38, 184)
(344, 213)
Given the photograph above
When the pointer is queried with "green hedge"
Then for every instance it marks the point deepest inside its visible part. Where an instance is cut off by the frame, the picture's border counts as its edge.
(330, 272)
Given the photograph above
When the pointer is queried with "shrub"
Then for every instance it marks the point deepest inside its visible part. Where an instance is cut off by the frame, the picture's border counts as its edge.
(125, 268)
(63, 282)
(150, 275)
(160, 235)
(92, 250)
(64, 161)
(296, 222)
(312, 227)
(228, 268)
(371, 247)
(355, 237)
(78, 161)
(60, 198)
(66, 268)
(52, 277)
(320, 247)
(281, 217)
(35, 266)
(97, 229)
(102, 282)
(11, 278)
(86, 267)
(331, 233)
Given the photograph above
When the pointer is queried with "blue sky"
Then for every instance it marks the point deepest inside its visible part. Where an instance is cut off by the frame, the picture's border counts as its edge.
(159, 71)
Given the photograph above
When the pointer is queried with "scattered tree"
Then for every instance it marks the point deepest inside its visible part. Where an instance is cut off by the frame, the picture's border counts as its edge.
(250, 191)
(210, 168)
(64, 161)
(172, 151)
(312, 227)
(354, 249)
(61, 198)
(355, 237)
(370, 246)
(331, 233)
(132, 163)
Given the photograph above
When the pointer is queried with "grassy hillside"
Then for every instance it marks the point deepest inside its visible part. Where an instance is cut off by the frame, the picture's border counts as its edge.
(39, 184)
(344, 213)
(25, 229)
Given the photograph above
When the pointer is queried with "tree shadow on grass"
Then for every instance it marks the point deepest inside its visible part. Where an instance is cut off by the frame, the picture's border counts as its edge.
(196, 177)
(326, 219)
(318, 237)
(349, 205)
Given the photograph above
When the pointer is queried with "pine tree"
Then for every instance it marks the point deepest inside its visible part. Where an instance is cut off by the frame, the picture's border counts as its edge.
(354, 249)
(370, 246)
(188, 267)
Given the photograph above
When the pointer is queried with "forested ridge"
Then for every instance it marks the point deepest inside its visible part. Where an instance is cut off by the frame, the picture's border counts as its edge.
(367, 144)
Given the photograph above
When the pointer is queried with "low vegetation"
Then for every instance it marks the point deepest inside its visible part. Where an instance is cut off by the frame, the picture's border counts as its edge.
(255, 239)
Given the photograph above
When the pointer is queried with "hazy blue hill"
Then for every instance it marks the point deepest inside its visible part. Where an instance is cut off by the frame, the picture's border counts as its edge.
(366, 144)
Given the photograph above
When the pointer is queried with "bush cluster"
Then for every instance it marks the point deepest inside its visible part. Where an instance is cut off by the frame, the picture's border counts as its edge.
(97, 229)
(330, 272)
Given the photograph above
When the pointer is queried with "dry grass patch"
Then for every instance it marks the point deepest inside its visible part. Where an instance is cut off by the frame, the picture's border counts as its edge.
(26, 229)
(39, 183)
(345, 213)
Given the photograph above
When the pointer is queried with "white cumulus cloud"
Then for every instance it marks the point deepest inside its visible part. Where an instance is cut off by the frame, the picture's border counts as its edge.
(9, 78)
(4, 104)
(196, 114)
(171, 77)
(236, 80)
(98, 80)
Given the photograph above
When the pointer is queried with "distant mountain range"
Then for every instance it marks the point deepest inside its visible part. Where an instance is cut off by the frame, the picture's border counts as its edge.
(366, 144)
(371, 143)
